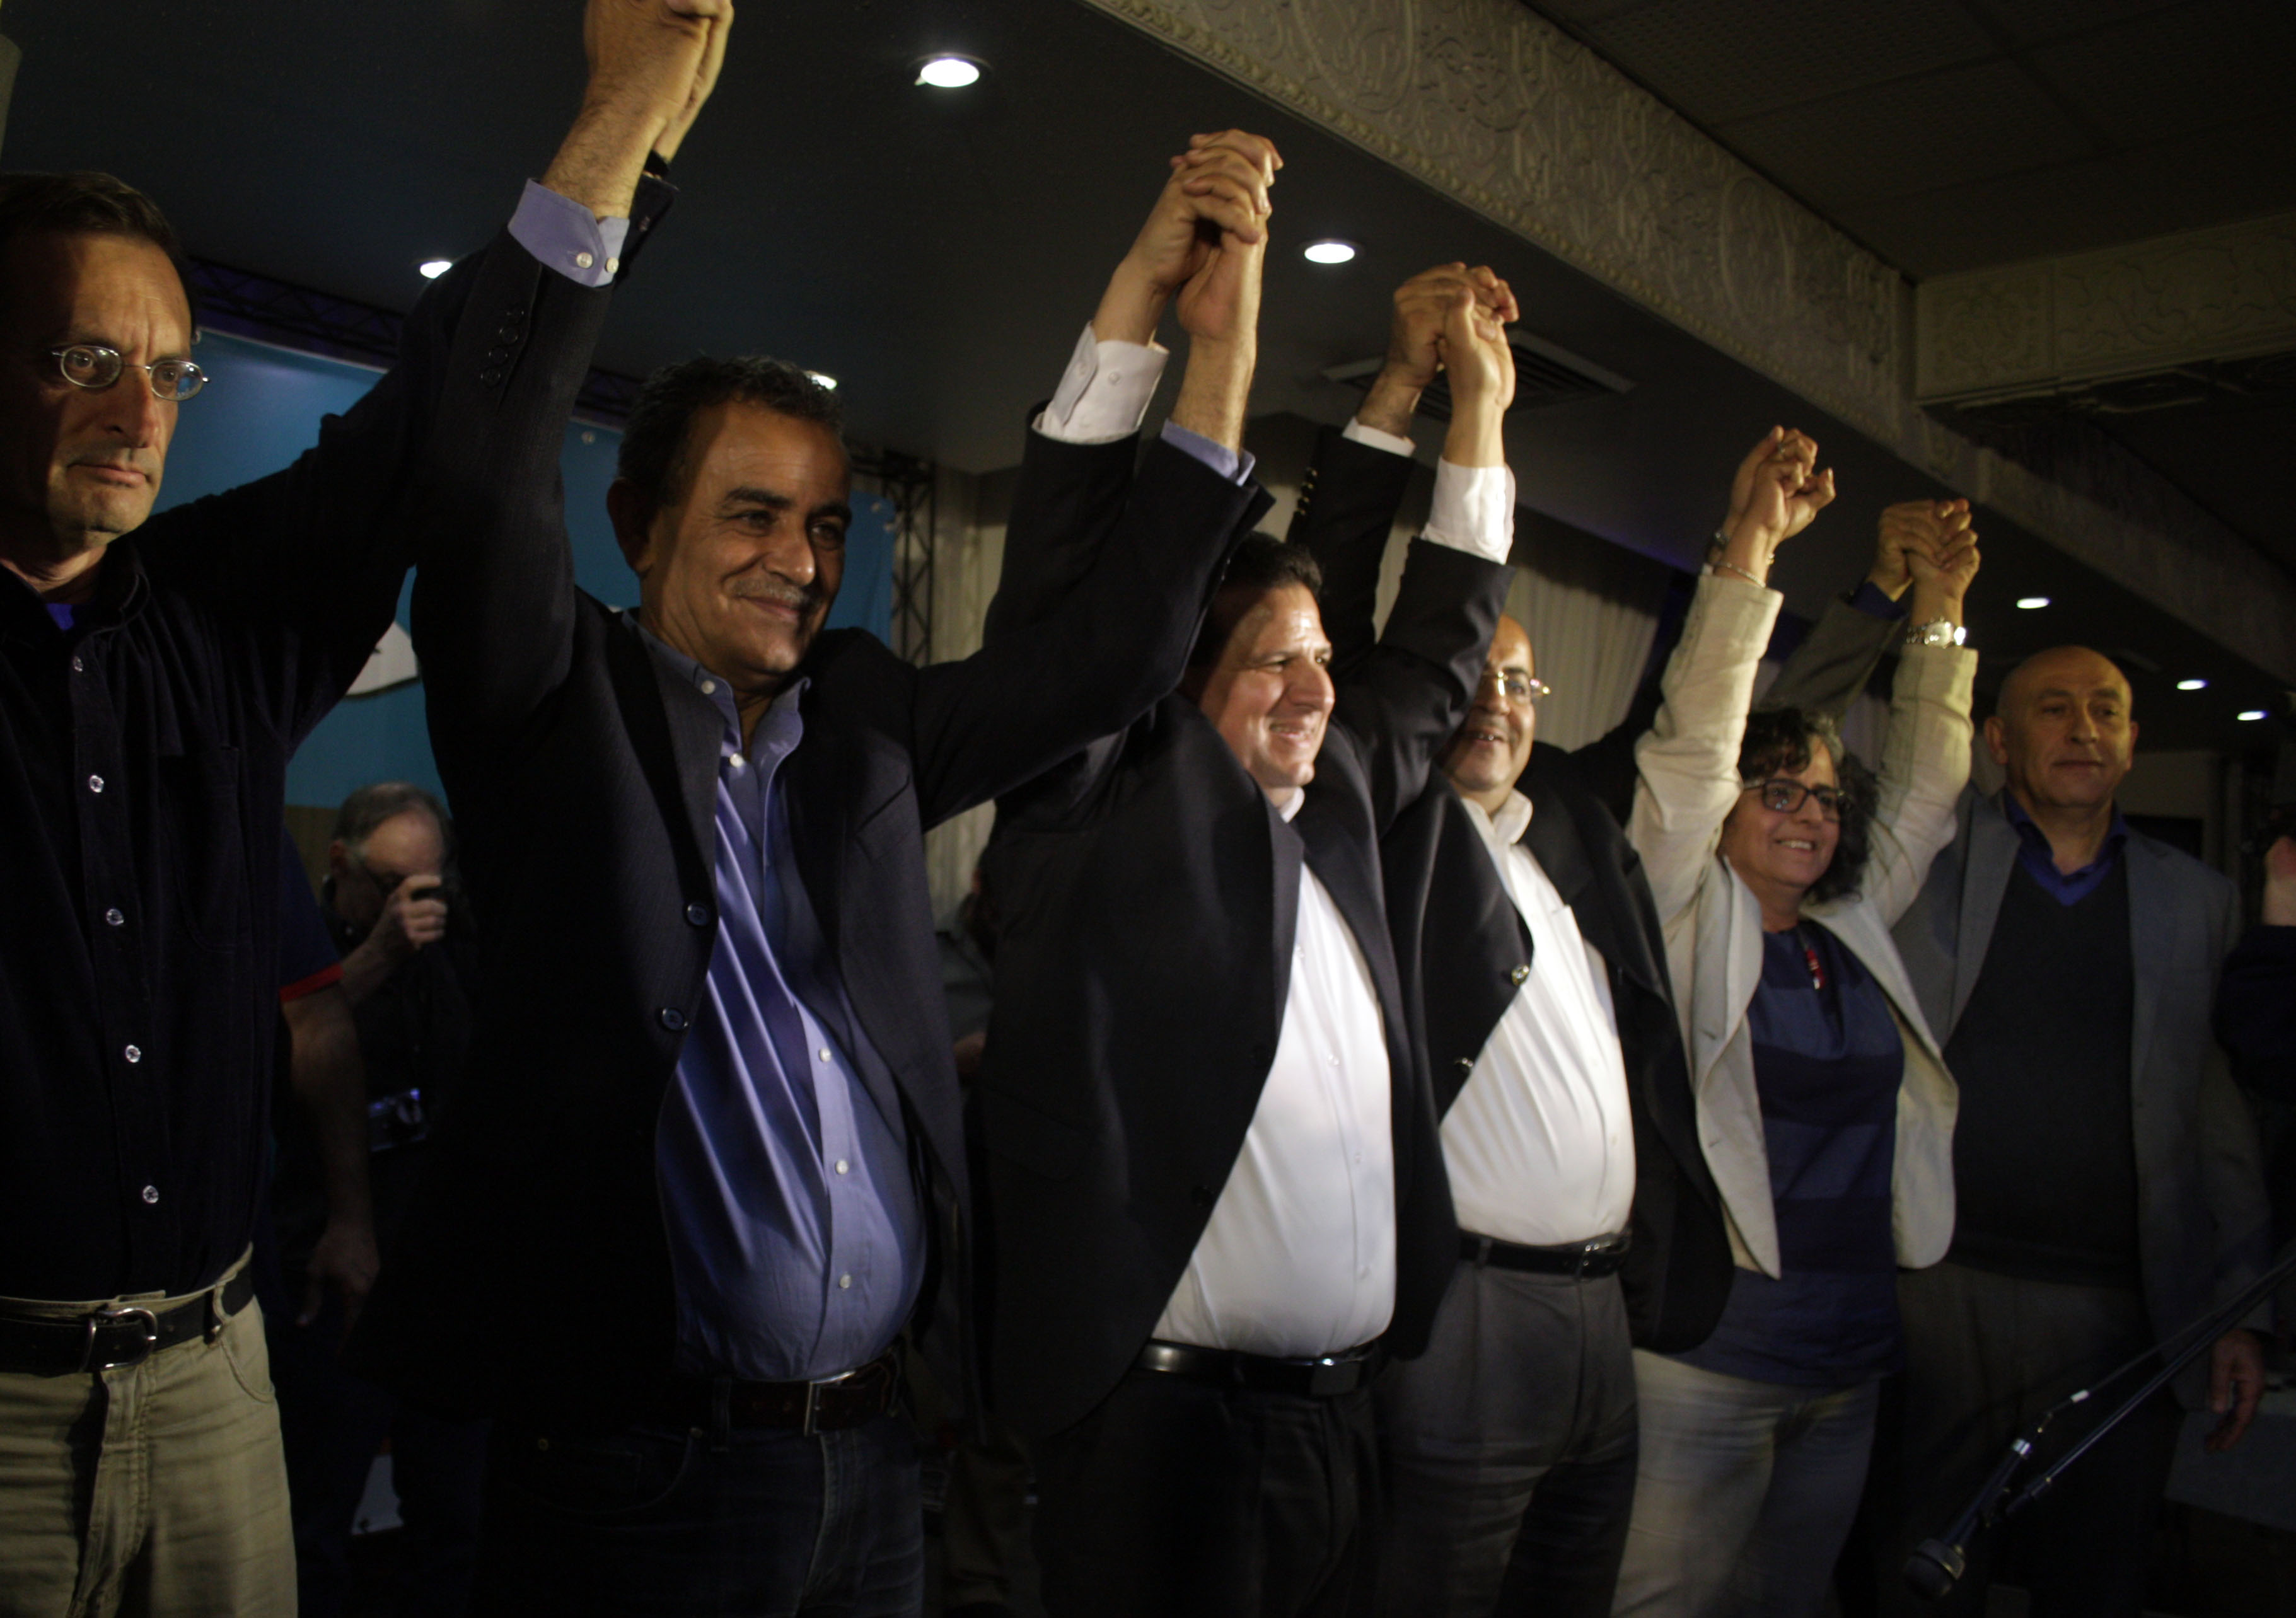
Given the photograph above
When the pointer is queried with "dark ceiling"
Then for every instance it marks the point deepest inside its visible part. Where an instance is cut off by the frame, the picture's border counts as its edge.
(1950, 134)
(1956, 135)
(938, 252)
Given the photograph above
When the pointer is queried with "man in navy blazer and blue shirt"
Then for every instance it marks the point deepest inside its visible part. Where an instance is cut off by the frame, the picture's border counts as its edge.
(1214, 1181)
(708, 1163)
(155, 677)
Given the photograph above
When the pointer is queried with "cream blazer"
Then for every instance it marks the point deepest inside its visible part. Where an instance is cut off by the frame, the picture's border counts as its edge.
(1688, 783)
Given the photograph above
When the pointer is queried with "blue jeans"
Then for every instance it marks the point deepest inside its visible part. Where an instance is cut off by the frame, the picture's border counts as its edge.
(1745, 1493)
(760, 1523)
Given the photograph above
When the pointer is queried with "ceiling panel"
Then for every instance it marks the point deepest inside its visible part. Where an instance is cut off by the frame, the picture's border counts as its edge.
(1951, 128)
(1720, 59)
(2166, 75)
(2239, 171)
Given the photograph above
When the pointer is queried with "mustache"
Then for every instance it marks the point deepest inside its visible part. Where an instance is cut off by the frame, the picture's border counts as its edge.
(803, 598)
(141, 461)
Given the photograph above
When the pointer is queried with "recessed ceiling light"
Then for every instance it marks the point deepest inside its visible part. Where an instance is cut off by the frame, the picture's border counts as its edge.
(432, 268)
(822, 378)
(2192, 686)
(1332, 251)
(2032, 603)
(948, 72)
(2254, 714)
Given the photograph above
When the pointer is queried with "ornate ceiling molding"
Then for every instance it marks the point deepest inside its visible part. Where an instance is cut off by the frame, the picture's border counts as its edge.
(1496, 108)
(2147, 306)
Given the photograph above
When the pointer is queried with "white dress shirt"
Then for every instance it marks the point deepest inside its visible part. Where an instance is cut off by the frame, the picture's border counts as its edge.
(1299, 1258)
(1539, 1145)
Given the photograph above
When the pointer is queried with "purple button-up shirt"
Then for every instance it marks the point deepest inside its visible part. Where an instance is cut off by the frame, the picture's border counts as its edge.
(795, 1234)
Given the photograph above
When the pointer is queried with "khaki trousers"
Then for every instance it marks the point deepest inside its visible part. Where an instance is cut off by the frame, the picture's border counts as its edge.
(149, 1489)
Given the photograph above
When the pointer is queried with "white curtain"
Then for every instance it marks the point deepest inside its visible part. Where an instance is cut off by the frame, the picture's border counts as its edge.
(1592, 610)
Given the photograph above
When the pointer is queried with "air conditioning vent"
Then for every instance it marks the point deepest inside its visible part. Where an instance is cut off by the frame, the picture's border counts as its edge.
(1545, 373)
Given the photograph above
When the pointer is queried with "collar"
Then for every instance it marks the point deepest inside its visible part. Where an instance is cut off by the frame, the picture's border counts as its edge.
(784, 713)
(2035, 840)
(120, 587)
(1289, 804)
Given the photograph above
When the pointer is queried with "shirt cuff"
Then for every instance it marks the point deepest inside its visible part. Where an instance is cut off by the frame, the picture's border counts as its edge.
(1376, 438)
(1875, 602)
(1235, 467)
(1104, 392)
(568, 237)
(1474, 510)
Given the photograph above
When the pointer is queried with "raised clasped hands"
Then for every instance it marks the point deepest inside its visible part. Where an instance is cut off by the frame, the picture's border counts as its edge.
(1439, 309)
(655, 60)
(1940, 557)
(1933, 532)
(1203, 245)
(1775, 494)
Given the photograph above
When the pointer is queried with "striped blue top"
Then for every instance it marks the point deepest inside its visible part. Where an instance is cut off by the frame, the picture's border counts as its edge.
(1828, 1061)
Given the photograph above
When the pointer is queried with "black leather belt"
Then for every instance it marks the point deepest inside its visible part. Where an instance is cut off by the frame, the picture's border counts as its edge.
(825, 1405)
(105, 1339)
(1324, 1376)
(1586, 1260)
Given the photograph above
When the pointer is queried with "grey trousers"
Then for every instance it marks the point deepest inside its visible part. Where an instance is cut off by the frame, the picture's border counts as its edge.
(1746, 1493)
(1985, 1354)
(1508, 1451)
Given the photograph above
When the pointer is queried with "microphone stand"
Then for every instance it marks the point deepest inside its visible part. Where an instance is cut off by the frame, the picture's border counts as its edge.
(1938, 1564)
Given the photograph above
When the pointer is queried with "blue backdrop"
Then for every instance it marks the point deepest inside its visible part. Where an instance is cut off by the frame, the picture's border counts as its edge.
(263, 410)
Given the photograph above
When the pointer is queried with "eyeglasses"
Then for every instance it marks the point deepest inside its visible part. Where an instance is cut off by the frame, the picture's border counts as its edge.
(1784, 796)
(1518, 688)
(94, 367)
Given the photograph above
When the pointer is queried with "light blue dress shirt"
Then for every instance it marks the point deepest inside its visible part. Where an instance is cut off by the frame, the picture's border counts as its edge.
(796, 1236)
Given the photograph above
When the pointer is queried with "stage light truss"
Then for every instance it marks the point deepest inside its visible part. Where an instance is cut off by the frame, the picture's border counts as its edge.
(248, 305)
(909, 484)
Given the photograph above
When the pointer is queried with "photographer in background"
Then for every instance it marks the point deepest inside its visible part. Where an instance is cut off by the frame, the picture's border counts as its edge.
(407, 971)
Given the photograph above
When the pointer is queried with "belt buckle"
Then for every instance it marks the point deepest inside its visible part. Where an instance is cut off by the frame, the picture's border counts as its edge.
(103, 1318)
(1328, 1376)
(806, 1427)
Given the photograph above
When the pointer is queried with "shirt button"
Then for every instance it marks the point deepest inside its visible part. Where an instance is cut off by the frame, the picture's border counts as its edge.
(112, 918)
(844, 1281)
(698, 914)
(842, 1166)
(710, 688)
(1521, 975)
(134, 1053)
(736, 760)
(613, 266)
(672, 1018)
(95, 783)
(583, 261)
(79, 667)
(824, 1053)
(151, 1193)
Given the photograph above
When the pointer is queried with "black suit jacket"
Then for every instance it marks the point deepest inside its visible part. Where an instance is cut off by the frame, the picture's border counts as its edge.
(534, 1281)
(1146, 894)
(1463, 948)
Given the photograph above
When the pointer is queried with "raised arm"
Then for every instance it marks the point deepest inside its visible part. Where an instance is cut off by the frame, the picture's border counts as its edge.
(1204, 245)
(1350, 497)
(1925, 753)
(313, 556)
(1688, 759)
(494, 593)
(1834, 661)
(1403, 698)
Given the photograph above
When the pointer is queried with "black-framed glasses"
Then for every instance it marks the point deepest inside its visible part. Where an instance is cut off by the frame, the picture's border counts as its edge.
(1784, 796)
(96, 367)
(1518, 688)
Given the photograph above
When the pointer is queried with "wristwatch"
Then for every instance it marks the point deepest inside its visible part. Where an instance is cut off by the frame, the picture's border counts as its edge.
(1938, 631)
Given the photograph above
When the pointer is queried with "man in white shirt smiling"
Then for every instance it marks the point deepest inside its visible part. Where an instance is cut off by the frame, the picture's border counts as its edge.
(1531, 957)
(1213, 1180)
